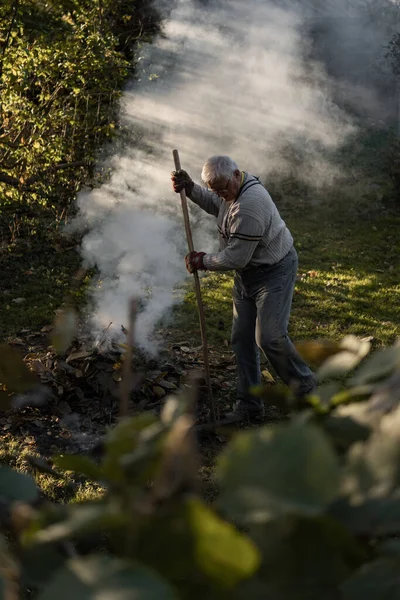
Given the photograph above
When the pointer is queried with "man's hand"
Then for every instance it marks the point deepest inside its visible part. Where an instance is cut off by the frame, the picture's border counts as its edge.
(194, 262)
(182, 181)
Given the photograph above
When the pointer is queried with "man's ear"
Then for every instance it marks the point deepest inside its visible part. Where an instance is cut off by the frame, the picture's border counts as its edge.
(237, 172)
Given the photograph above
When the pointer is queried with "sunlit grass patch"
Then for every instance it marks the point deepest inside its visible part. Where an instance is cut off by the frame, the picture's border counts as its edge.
(16, 451)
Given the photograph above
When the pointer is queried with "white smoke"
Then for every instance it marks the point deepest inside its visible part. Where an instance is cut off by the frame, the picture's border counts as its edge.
(225, 77)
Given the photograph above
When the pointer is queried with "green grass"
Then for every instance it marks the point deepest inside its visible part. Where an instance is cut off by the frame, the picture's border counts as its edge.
(348, 279)
(15, 452)
(39, 273)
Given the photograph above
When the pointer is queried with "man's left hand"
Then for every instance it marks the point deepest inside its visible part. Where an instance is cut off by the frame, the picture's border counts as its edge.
(194, 261)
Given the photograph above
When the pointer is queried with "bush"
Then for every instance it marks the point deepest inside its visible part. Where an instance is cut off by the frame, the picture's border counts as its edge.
(307, 509)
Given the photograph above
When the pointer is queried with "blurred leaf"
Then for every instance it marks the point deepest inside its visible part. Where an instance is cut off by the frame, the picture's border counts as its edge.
(386, 396)
(81, 518)
(345, 431)
(81, 465)
(352, 351)
(325, 393)
(222, 553)
(377, 366)
(39, 564)
(17, 486)
(305, 558)
(377, 517)
(6, 400)
(353, 394)
(205, 549)
(132, 441)
(277, 470)
(388, 548)
(379, 580)
(13, 371)
(96, 577)
(64, 331)
(317, 352)
(373, 467)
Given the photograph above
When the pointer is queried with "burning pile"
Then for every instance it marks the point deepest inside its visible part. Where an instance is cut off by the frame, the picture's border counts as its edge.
(79, 395)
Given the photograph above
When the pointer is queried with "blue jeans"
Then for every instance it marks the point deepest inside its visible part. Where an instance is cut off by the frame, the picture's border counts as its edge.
(262, 299)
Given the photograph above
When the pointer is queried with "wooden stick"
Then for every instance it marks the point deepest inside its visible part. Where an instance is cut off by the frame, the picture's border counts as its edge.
(127, 378)
(200, 306)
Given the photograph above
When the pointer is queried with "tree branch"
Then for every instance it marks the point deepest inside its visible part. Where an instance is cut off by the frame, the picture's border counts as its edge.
(23, 183)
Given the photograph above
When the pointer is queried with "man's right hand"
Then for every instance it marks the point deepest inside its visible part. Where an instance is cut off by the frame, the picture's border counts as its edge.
(182, 181)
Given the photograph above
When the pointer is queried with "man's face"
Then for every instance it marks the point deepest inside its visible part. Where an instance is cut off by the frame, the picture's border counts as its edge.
(227, 189)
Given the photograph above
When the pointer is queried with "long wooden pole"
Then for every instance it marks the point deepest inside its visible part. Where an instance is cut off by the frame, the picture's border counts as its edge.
(200, 306)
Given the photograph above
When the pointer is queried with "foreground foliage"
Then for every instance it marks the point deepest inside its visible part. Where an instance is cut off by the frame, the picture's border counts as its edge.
(309, 508)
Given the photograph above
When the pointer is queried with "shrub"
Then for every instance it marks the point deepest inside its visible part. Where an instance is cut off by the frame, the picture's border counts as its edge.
(309, 508)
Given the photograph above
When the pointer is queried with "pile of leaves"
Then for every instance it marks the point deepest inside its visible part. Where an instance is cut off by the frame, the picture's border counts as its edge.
(309, 508)
(66, 400)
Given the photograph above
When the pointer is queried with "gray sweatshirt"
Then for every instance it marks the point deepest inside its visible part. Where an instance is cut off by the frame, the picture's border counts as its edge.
(251, 230)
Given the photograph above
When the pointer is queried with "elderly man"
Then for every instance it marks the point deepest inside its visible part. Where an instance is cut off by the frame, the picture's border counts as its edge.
(257, 245)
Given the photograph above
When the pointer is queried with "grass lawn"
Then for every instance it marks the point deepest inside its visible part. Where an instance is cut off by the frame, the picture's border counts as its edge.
(348, 279)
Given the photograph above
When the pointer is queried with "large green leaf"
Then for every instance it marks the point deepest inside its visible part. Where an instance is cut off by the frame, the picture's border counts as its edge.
(305, 559)
(377, 517)
(133, 436)
(96, 577)
(17, 486)
(81, 465)
(14, 373)
(352, 352)
(82, 518)
(39, 564)
(277, 470)
(190, 543)
(345, 431)
(379, 580)
(317, 352)
(373, 467)
(377, 366)
(222, 553)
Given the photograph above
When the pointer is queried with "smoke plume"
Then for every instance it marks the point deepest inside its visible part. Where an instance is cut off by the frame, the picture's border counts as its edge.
(226, 77)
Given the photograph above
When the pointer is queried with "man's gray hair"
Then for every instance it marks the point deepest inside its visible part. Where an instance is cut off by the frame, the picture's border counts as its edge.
(218, 167)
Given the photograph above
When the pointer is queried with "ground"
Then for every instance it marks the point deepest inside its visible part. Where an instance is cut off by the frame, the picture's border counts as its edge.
(348, 241)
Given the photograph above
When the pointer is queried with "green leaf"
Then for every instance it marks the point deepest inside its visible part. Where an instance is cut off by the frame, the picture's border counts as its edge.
(379, 580)
(345, 431)
(79, 464)
(305, 558)
(373, 467)
(131, 439)
(277, 470)
(378, 517)
(13, 371)
(39, 564)
(204, 548)
(222, 553)
(81, 519)
(6, 400)
(353, 394)
(317, 352)
(377, 366)
(353, 351)
(65, 327)
(96, 577)
(17, 486)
